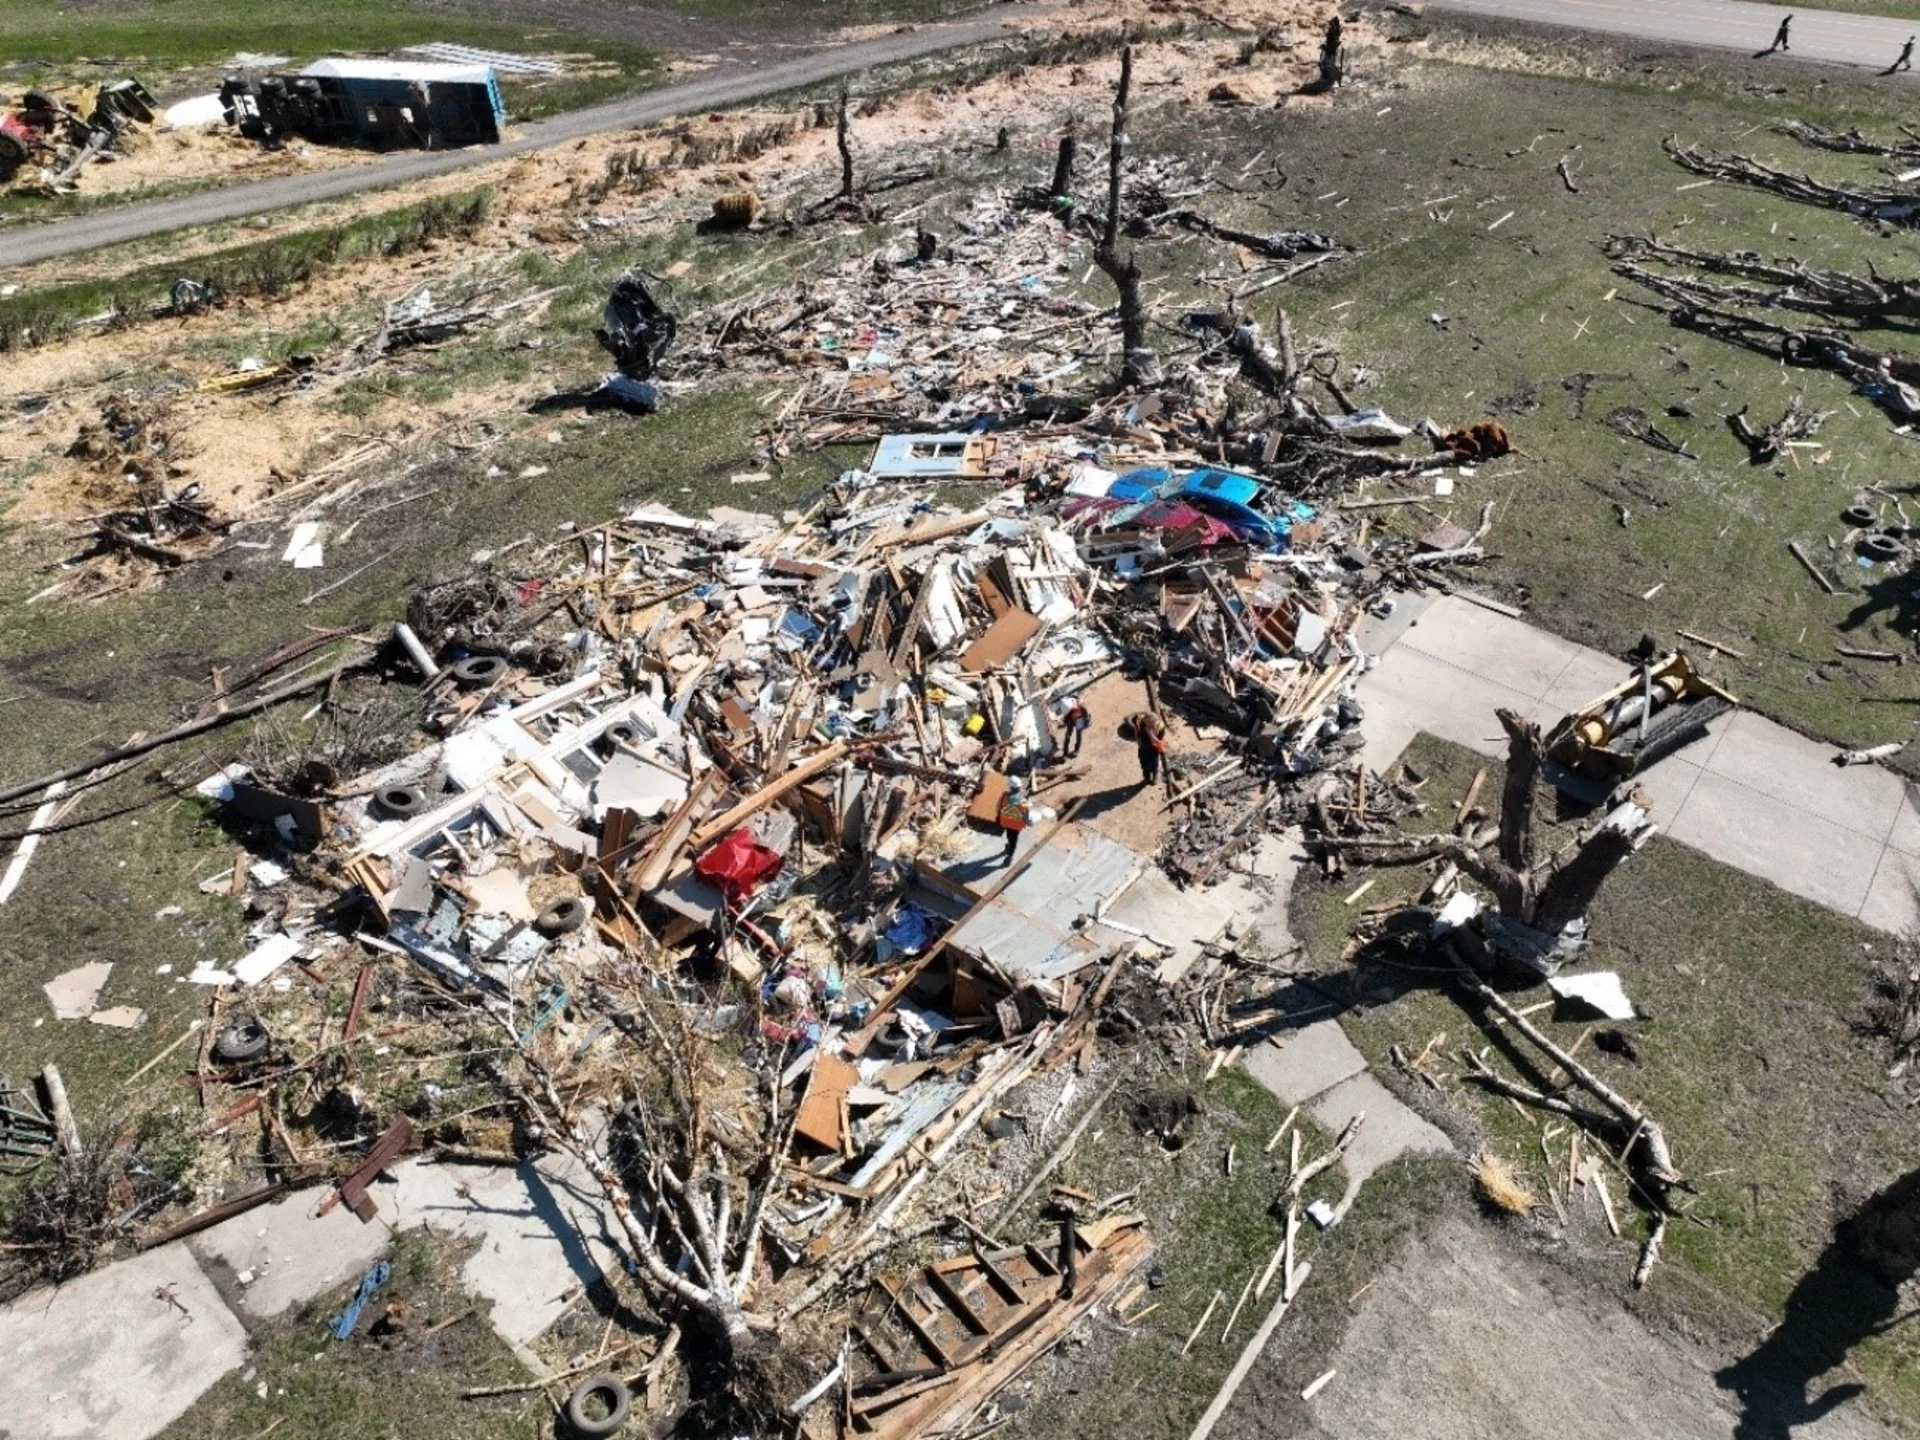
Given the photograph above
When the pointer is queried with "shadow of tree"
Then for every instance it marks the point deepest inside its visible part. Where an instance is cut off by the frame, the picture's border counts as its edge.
(1893, 591)
(1849, 1295)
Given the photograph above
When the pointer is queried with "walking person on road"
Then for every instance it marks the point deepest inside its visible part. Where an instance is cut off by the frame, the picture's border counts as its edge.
(1905, 62)
(1073, 727)
(1780, 36)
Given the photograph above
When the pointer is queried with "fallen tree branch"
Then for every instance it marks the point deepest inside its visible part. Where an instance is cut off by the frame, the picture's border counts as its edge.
(1900, 207)
(188, 731)
(1647, 1137)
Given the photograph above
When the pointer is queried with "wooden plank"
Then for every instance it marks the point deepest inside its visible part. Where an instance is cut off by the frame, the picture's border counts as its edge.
(957, 1300)
(1002, 1358)
(827, 1086)
(651, 872)
(985, 805)
(1001, 642)
(919, 1327)
(934, 530)
(769, 793)
(879, 1352)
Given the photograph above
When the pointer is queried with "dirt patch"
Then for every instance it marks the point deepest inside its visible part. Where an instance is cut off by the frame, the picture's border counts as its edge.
(1467, 1334)
(169, 158)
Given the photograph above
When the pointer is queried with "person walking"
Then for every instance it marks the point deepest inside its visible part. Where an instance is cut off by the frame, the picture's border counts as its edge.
(1780, 36)
(1150, 742)
(1013, 815)
(1073, 727)
(1905, 62)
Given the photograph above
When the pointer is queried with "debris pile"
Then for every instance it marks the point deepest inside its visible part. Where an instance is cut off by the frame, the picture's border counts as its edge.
(724, 858)
(53, 141)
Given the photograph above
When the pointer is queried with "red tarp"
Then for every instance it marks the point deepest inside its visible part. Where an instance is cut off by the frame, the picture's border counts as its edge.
(738, 864)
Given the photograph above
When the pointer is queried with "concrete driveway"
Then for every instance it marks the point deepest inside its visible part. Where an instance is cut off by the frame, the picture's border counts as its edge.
(1752, 794)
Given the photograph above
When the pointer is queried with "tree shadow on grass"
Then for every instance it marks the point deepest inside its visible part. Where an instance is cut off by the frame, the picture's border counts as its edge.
(1850, 1295)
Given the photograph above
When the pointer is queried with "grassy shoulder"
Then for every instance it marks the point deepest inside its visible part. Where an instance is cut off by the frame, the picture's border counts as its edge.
(1212, 1232)
(418, 1345)
(173, 35)
(1748, 1054)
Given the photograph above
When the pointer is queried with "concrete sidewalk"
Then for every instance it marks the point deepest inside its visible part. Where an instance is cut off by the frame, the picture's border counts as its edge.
(122, 1353)
(1752, 794)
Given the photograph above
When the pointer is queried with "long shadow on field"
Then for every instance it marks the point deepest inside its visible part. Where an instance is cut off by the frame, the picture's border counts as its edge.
(1850, 1294)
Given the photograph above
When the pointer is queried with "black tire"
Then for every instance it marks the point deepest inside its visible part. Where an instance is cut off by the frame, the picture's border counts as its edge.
(623, 734)
(1881, 547)
(1677, 729)
(242, 1039)
(400, 802)
(563, 916)
(1858, 516)
(477, 670)
(619, 1403)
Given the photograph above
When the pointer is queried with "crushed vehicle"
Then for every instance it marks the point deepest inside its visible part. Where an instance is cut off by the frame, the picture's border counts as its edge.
(378, 104)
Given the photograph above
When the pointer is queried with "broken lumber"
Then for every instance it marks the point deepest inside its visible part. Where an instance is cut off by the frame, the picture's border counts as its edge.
(768, 793)
(1248, 1358)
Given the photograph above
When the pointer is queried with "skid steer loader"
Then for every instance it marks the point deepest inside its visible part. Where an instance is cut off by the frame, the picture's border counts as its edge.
(1664, 705)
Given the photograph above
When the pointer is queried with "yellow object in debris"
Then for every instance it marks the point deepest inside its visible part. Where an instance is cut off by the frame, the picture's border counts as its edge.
(1661, 707)
(238, 380)
(975, 724)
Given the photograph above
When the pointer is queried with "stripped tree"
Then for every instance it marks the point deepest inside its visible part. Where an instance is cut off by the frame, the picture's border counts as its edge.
(1526, 887)
(1139, 365)
(688, 1187)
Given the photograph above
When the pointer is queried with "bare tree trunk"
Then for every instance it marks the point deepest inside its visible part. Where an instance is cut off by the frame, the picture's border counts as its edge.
(1139, 365)
(1571, 893)
(1524, 756)
(842, 130)
(1062, 188)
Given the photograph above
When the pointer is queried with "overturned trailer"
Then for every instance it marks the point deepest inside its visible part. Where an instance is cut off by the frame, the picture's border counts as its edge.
(381, 104)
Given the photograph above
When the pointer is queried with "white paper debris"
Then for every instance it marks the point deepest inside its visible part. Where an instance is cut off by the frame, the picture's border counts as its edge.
(1600, 991)
(265, 958)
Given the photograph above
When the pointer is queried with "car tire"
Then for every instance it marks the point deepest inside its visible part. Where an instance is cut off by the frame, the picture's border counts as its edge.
(619, 1402)
(241, 1040)
(478, 670)
(563, 917)
(400, 802)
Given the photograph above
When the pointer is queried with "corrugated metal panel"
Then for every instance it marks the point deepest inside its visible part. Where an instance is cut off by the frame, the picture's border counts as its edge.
(1028, 929)
(925, 1103)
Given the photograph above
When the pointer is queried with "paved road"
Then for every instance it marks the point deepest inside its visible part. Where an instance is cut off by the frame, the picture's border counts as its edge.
(716, 90)
(1738, 25)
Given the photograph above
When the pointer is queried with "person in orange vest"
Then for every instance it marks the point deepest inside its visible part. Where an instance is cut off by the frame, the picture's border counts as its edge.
(1150, 740)
(1073, 727)
(1013, 817)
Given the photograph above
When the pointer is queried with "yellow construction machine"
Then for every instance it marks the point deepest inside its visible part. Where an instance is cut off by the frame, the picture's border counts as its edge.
(1664, 705)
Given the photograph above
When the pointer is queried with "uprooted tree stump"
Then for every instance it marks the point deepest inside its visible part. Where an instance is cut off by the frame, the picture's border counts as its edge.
(1527, 888)
(1765, 446)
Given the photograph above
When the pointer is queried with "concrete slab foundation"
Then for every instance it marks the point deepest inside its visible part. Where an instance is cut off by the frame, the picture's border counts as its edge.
(109, 1356)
